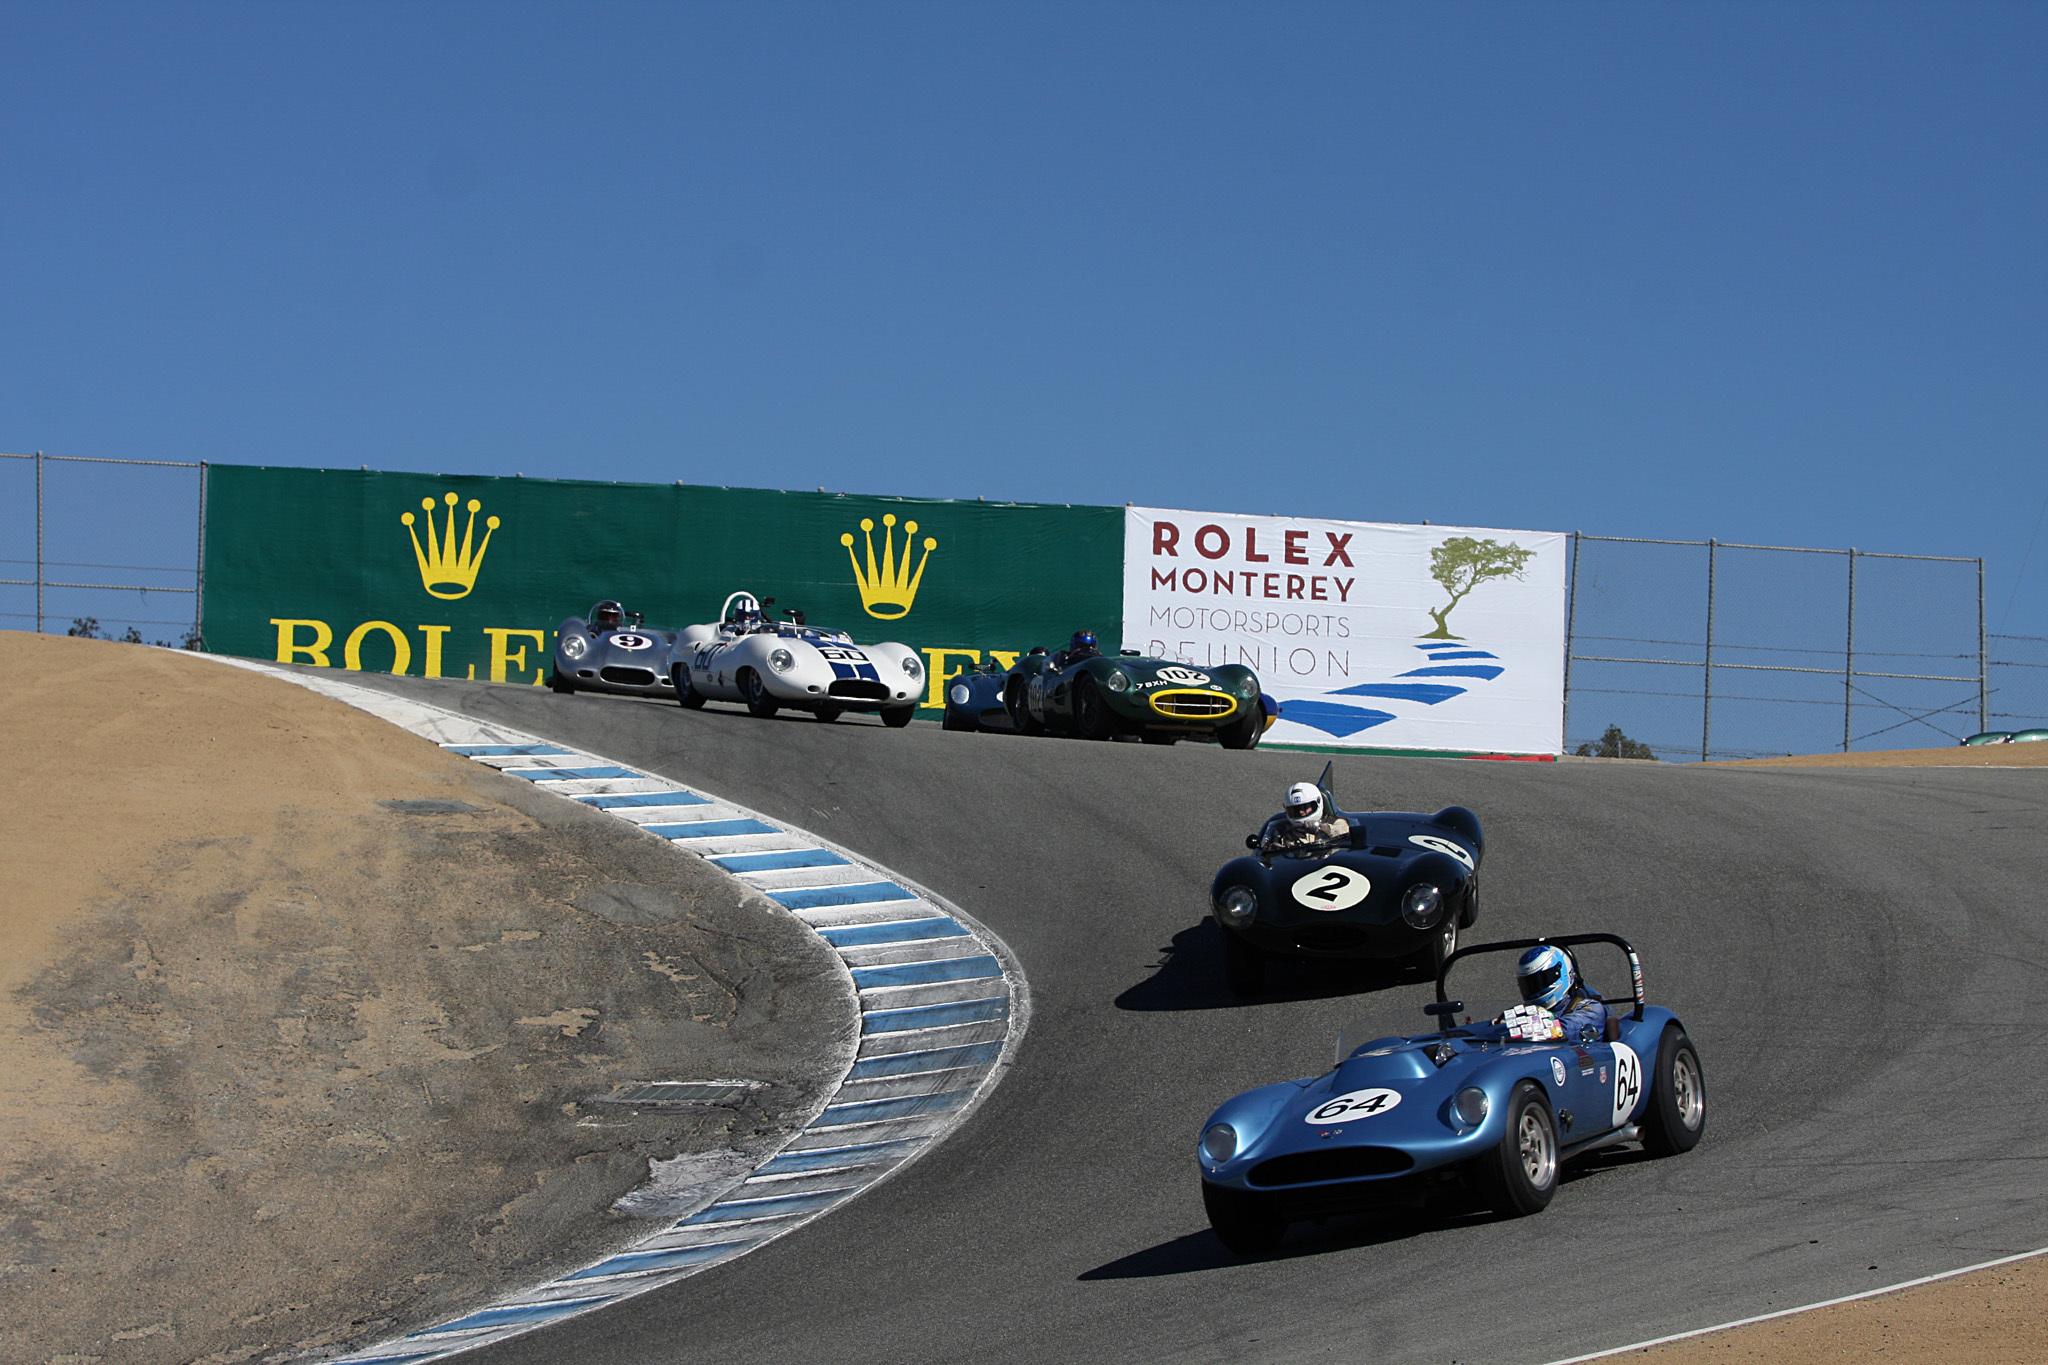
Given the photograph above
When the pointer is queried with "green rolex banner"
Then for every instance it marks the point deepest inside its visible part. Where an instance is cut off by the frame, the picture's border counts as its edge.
(468, 576)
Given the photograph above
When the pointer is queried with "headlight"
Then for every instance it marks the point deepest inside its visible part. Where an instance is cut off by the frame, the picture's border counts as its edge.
(575, 646)
(782, 661)
(1219, 1144)
(912, 669)
(1470, 1106)
(1238, 904)
(1423, 906)
(1118, 680)
(959, 694)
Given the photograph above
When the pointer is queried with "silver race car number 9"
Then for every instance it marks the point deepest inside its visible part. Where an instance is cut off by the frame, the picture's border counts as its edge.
(1628, 1082)
(1332, 888)
(629, 642)
(1436, 845)
(1359, 1104)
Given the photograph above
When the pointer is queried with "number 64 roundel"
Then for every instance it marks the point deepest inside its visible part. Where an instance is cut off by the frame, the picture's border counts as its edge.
(1331, 888)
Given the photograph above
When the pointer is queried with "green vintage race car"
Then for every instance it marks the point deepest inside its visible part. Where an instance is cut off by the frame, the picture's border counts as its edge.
(1079, 691)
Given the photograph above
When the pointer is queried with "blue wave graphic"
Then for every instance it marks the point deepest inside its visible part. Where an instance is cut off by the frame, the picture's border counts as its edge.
(1429, 694)
(1456, 671)
(1333, 719)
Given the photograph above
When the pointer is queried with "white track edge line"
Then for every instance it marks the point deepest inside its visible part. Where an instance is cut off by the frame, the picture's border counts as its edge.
(1804, 1308)
(1016, 1022)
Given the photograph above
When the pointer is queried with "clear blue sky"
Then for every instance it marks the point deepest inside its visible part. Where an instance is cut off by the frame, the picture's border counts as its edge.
(1763, 272)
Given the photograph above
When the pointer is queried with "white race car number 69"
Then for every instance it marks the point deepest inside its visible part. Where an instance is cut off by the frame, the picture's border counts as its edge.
(1359, 1104)
(1331, 888)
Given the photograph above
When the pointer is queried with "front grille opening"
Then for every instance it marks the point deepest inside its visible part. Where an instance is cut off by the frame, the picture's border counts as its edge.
(1193, 705)
(860, 688)
(1329, 1163)
(629, 677)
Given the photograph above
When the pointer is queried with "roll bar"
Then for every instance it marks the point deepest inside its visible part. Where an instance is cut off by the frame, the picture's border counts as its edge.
(1564, 941)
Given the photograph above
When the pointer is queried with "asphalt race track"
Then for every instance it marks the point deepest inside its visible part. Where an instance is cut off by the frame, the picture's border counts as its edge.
(1858, 955)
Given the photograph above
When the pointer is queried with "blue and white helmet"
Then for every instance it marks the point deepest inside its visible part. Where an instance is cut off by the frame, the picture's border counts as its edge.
(1545, 976)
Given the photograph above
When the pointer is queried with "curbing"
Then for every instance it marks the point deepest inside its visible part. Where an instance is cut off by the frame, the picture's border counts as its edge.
(942, 1006)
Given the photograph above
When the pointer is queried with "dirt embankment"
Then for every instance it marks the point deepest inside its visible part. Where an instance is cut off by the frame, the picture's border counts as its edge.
(289, 1066)
(2032, 755)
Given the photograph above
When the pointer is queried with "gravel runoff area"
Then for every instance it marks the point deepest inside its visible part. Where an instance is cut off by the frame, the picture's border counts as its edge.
(2032, 755)
(312, 1023)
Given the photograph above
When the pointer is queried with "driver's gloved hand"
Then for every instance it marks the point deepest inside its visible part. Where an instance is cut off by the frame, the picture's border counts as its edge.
(1532, 1024)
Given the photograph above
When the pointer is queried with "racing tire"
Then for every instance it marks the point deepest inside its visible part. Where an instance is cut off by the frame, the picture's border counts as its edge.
(955, 721)
(1677, 1115)
(896, 717)
(1441, 946)
(759, 703)
(560, 685)
(1091, 713)
(1245, 733)
(687, 696)
(1521, 1171)
(828, 714)
(1244, 966)
(1020, 714)
(1242, 1222)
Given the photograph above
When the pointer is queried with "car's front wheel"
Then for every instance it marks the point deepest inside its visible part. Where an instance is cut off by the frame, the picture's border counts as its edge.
(686, 695)
(1678, 1097)
(1244, 733)
(560, 685)
(955, 721)
(1020, 713)
(1091, 712)
(829, 713)
(1522, 1169)
(1442, 945)
(896, 717)
(1243, 1222)
(755, 691)
(1244, 966)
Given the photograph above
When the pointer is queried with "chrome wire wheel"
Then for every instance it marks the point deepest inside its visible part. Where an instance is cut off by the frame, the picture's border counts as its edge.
(1687, 1093)
(1538, 1150)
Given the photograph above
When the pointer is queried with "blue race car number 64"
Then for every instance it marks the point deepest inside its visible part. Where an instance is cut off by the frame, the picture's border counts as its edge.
(1359, 1104)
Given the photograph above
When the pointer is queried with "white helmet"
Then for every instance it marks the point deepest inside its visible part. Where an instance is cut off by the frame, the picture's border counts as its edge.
(1304, 804)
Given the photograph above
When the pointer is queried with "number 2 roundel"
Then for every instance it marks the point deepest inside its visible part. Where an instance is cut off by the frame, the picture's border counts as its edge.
(1331, 888)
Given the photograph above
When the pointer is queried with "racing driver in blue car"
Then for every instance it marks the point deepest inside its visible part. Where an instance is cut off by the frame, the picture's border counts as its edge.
(1556, 1006)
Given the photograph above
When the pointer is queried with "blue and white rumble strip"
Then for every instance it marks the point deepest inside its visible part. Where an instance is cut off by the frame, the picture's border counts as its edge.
(941, 1008)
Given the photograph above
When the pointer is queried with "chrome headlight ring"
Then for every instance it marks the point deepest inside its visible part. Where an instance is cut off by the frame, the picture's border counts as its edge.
(1219, 1143)
(960, 695)
(782, 661)
(1423, 905)
(575, 646)
(1118, 680)
(1469, 1107)
(912, 669)
(1238, 904)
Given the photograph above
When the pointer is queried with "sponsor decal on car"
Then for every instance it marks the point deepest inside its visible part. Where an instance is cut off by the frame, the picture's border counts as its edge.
(1628, 1082)
(1557, 1069)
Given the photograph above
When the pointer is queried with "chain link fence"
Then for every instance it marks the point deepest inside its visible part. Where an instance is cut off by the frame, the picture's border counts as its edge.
(102, 547)
(1692, 649)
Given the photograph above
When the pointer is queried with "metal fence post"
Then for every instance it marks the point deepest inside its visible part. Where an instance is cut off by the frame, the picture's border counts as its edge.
(39, 543)
(1983, 693)
(199, 570)
(1571, 616)
(1707, 688)
(1849, 657)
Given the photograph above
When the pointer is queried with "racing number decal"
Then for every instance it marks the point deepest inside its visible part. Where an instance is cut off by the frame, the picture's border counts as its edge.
(843, 653)
(1436, 845)
(1628, 1082)
(629, 642)
(1332, 888)
(1187, 677)
(1359, 1104)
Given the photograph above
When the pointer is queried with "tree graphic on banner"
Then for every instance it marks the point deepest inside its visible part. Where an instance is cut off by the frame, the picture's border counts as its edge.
(1461, 564)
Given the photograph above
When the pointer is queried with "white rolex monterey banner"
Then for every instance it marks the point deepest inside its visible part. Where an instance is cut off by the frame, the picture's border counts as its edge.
(1370, 634)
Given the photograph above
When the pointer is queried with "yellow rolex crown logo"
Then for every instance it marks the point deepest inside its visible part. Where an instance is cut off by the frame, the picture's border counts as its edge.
(888, 591)
(447, 571)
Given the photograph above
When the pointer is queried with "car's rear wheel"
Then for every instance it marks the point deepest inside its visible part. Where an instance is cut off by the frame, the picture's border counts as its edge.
(1521, 1170)
(1678, 1097)
(896, 717)
(686, 695)
(829, 713)
(559, 684)
(1020, 714)
(1244, 733)
(1243, 1222)
(1091, 712)
(759, 703)
(1244, 966)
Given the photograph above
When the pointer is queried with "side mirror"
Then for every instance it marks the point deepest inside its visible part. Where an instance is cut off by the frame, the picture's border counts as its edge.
(1251, 841)
(1440, 1008)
